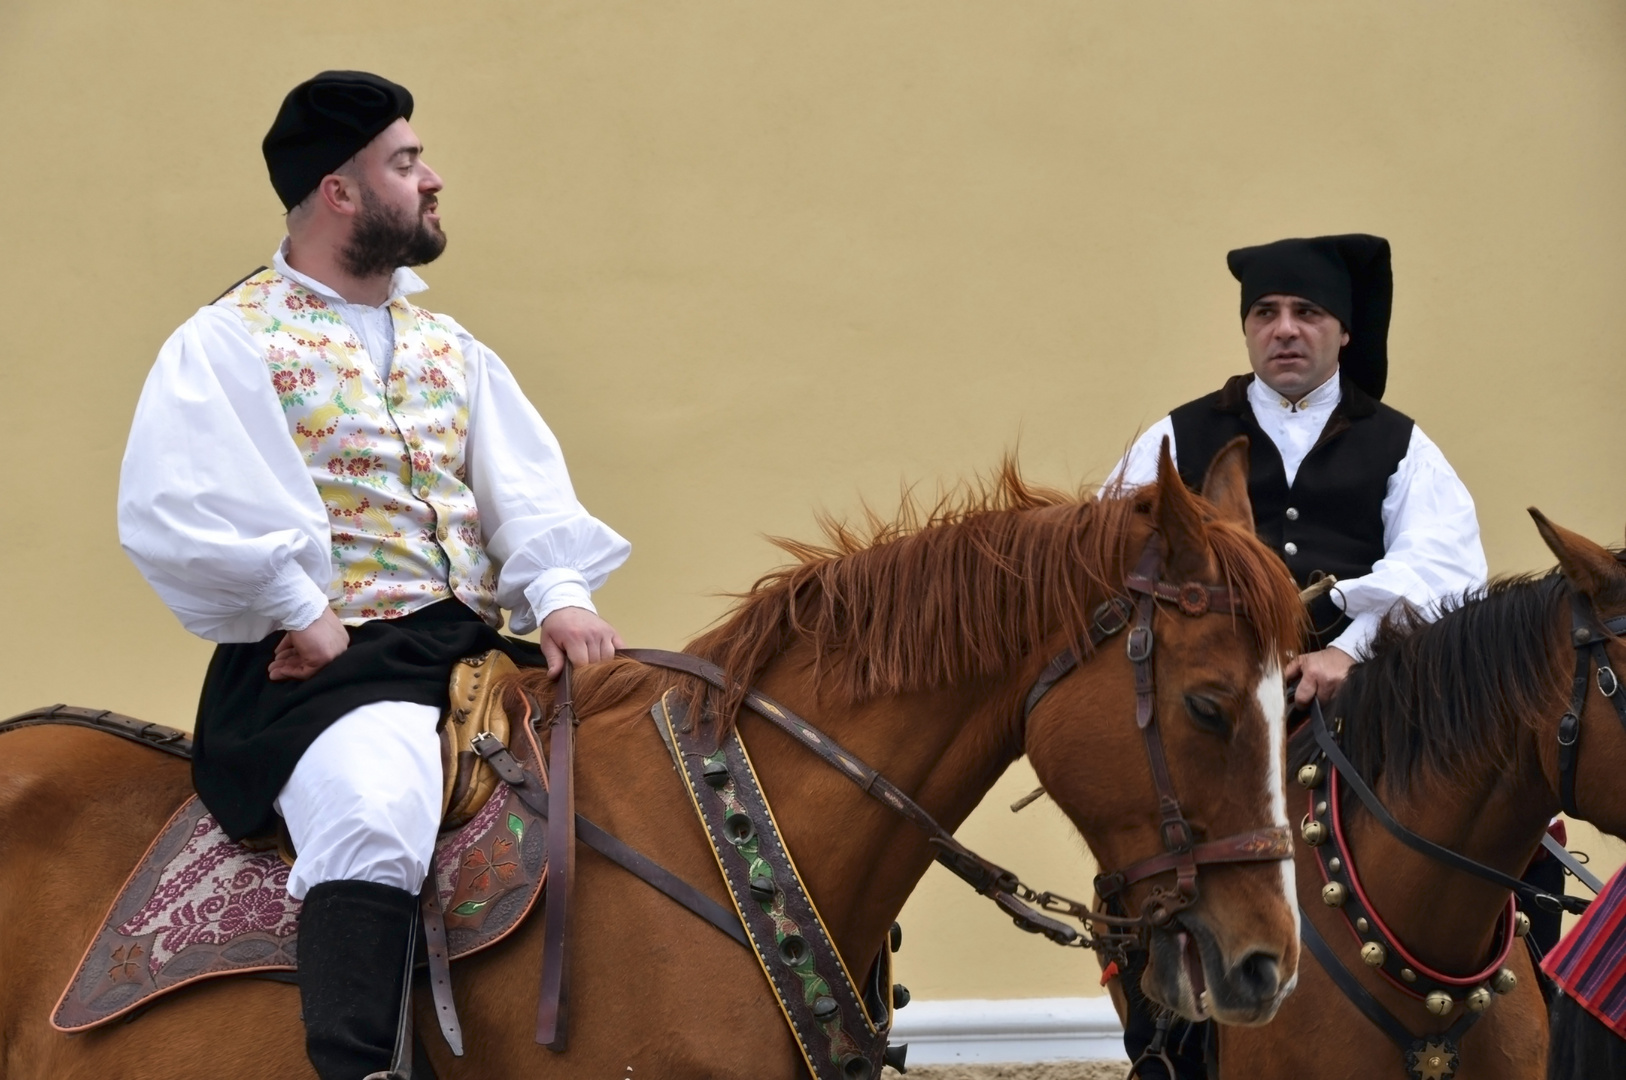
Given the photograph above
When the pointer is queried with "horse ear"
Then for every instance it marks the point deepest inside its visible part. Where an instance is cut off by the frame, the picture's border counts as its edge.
(1590, 567)
(1226, 483)
(1180, 520)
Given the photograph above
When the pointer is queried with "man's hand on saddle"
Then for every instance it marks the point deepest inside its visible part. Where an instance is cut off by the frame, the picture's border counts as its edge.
(302, 653)
(579, 634)
(1319, 675)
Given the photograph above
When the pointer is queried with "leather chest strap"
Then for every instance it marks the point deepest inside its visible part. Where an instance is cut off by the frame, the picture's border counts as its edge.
(817, 994)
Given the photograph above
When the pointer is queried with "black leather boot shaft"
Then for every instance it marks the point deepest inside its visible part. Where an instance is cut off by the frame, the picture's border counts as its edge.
(353, 941)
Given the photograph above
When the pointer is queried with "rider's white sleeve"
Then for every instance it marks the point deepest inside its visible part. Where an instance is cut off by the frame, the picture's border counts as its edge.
(551, 551)
(216, 507)
(1431, 545)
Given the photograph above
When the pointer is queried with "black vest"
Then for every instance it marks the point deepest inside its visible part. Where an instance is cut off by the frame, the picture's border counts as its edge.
(1331, 517)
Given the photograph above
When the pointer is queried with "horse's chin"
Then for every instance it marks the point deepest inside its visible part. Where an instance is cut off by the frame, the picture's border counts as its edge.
(1187, 973)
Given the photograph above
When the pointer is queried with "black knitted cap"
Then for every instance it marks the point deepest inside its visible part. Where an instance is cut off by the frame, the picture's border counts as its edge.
(1349, 275)
(323, 122)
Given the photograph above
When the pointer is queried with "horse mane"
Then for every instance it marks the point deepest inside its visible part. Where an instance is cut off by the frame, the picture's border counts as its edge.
(945, 592)
(965, 587)
(1450, 696)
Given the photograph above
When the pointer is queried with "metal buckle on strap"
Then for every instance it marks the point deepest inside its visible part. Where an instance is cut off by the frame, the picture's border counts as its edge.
(1140, 644)
(1613, 684)
(1569, 729)
(1177, 836)
(1118, 607)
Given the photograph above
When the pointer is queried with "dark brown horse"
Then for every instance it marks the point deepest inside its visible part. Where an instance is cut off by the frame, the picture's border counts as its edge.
(1455, 725)
(914, 647)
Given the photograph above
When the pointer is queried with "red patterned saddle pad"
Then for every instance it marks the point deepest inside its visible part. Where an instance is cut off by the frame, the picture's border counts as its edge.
(199, 905)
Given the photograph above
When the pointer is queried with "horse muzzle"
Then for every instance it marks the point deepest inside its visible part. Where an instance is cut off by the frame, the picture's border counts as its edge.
(1189, 974)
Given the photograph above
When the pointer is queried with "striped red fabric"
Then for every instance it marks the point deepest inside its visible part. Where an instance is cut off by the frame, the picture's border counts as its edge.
(1590, 962)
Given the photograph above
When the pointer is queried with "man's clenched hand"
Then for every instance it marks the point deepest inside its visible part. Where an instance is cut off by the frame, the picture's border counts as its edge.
(579, 634)
(1320, 674)
(302, 653)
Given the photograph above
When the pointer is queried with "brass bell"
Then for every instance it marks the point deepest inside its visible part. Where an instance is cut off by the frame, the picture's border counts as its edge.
(1314, 832)
(1374, 954)
(1504, 981)
(1333, 894)
(1439, 1002)
(1479, 999)
(1521, 924)
(1310, 775)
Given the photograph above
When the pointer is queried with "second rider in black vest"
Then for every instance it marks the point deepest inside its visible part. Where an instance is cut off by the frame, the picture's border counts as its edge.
(1341, 484)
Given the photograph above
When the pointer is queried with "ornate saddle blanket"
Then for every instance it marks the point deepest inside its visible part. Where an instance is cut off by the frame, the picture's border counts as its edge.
(200, 905)
(1590, 962)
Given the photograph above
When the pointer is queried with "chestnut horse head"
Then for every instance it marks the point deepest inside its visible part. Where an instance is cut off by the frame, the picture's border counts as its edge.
(1233, 954)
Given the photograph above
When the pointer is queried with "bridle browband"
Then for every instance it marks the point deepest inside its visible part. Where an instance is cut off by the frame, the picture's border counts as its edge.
(1590, 636)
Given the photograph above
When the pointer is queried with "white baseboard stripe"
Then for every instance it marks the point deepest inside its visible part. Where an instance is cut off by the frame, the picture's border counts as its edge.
(1019, 1030)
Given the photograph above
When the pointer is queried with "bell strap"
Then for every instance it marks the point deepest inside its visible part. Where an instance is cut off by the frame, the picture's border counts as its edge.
(553, 1004)
(1351, 776)
(821, 1002)
(1417, 1049)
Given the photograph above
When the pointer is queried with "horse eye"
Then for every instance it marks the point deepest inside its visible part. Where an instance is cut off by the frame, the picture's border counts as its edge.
(1208, 716)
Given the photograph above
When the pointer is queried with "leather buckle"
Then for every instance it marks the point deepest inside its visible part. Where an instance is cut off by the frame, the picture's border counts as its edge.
(1569, 725)
(1117, 606)
(1177, 836)
(1109, 885)
(1613, 683)
(1194, 599)
(1140, 644)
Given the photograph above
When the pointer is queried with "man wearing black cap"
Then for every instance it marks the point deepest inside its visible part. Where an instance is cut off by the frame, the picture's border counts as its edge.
(1341, 484)
(346, 491)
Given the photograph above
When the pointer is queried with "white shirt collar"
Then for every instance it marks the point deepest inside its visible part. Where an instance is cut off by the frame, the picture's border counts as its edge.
(404, 282)
(1263, 398)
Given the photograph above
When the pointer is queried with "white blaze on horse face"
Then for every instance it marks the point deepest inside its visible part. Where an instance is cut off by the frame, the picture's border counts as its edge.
(1272, 700)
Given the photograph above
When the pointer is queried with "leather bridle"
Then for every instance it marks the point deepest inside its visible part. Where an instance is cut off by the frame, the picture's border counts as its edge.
(1590, 636)
(1182, 855)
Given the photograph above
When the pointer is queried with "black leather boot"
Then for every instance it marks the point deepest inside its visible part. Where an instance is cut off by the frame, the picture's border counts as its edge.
(355, 939)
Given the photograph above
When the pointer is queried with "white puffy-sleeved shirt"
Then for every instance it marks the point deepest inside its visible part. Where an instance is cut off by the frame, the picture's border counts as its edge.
(218, 510)
(1431, 539)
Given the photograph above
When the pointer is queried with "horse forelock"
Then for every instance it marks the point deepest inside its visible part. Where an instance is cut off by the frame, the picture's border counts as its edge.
(1450, 696)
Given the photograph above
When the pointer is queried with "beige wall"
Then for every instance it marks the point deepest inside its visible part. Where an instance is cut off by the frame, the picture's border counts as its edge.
(752, 259)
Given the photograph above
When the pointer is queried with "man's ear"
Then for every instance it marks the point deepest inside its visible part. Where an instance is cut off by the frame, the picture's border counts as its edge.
(1591, 568)
(1226, 483)
(337, 194)
(1179, 518)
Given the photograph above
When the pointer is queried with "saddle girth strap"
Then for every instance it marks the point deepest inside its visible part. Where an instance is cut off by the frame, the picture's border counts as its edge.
(821, 1001)
(553, 1004)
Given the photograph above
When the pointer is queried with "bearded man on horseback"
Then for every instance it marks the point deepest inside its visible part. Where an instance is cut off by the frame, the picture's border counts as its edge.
(345, 492)
(1341, 484)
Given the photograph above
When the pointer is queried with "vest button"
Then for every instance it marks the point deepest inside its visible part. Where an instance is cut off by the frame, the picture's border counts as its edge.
(1292, 513)
(1291, 548)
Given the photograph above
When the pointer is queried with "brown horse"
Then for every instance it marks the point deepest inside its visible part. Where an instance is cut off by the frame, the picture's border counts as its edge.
(914, 647)
(1455, 725)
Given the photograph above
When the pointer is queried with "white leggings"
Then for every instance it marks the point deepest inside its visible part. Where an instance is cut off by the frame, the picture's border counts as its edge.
(363, 803)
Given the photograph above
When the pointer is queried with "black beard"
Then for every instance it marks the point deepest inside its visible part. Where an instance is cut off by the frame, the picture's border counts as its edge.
(384, 238)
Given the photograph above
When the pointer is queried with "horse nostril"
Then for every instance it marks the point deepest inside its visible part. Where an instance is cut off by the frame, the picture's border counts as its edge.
(1258, 976)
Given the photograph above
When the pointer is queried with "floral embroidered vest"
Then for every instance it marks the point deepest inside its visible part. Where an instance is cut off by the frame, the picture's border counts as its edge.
(387, 460)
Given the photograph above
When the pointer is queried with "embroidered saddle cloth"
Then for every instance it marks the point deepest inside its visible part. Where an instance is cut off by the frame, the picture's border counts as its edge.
(200, 905)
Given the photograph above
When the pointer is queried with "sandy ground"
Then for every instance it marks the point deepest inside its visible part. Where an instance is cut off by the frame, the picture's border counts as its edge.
(1063, 1070)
